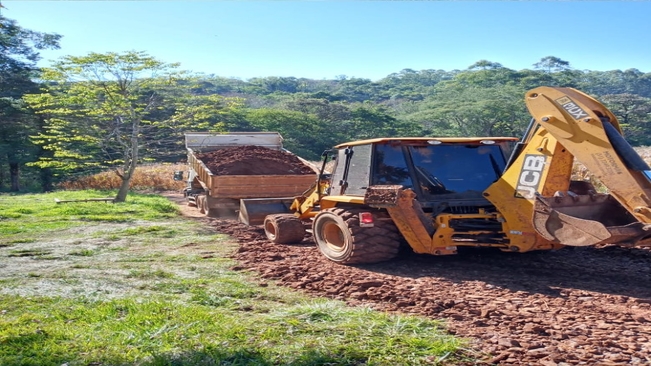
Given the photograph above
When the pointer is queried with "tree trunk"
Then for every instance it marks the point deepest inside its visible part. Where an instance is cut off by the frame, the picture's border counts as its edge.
(124, 188)
(129, 164)
(2, 175)
(46, 174)
(46, 180)
(14, 170)
(127, 176)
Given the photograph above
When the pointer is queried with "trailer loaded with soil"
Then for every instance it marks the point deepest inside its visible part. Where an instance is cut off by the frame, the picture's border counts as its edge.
(225, 168)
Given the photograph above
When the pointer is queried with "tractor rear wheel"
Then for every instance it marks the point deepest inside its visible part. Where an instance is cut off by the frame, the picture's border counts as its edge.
(284, 229)
(340, 238)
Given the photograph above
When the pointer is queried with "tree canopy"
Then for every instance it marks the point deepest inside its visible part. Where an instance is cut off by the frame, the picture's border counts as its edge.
(20, 53)
(117, 110)
(102, 108)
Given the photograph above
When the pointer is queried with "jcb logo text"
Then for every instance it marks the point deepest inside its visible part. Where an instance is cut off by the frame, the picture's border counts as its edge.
(530, 176)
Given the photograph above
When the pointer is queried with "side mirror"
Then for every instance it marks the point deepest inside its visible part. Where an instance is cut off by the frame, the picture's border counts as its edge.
(329, 154)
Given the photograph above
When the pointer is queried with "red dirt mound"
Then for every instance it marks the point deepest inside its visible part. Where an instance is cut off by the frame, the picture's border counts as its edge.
(253, 160)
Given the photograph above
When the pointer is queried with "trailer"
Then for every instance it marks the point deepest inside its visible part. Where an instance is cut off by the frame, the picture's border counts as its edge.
(219, 195)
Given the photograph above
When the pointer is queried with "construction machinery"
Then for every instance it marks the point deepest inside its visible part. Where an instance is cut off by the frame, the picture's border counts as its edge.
(439, 194)
(219, 195)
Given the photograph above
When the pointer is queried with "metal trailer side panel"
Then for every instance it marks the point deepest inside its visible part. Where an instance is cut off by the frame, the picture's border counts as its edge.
(203, 174)
(259, 186)
(204, 141)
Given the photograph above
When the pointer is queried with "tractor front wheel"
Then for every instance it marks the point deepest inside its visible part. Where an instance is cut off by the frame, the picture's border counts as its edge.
(284, 229)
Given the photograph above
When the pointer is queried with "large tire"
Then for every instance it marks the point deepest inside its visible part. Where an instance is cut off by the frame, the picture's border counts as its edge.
(284, 229)
(205, 207)
(210, 212)
(340, 238)
(201, 203)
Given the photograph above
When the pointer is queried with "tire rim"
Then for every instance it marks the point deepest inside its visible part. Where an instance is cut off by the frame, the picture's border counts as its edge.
(333, 236)
(270, 229)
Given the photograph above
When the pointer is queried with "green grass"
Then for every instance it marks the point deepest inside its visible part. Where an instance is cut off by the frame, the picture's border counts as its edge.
(145, 293)
(54, 331)
(25, 217)
(82, 252)
(28, 253)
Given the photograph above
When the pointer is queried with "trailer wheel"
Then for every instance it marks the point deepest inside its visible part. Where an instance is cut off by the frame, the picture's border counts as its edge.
(207, 210)
(201, 203)
(340, 238)
(189, 197)
(284, 229)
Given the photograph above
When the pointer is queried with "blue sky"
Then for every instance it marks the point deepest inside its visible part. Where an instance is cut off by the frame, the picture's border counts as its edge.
(325, 39)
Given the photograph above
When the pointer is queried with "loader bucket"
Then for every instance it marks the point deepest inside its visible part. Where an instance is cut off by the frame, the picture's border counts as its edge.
(254, 210)
(583, 220)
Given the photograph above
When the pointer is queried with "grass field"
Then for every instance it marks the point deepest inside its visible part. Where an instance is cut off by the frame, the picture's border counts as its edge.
(94, 283)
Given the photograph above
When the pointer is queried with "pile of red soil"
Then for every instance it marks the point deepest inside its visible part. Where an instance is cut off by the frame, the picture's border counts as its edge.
(253, 160)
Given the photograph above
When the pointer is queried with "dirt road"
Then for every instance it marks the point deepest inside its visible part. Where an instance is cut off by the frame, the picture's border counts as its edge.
(589, 306)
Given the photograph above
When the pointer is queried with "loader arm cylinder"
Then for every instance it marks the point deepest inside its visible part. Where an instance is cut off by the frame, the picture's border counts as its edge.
(631, 159)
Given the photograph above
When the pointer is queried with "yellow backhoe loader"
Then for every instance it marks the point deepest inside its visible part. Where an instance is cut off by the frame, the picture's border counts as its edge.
(438, 194)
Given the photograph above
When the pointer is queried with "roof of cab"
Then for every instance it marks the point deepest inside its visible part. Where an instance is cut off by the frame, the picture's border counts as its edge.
(451, 140)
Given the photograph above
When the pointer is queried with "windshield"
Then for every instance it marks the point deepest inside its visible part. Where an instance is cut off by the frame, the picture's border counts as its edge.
(442, 169)
(391, 166)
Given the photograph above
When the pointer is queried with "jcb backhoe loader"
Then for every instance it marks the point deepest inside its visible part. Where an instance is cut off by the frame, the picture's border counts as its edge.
(442, 193)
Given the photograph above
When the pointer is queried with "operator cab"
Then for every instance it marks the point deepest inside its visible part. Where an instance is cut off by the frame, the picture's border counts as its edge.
(447, 174)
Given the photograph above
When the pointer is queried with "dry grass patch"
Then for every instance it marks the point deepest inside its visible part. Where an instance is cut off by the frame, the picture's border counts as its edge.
(158, 177)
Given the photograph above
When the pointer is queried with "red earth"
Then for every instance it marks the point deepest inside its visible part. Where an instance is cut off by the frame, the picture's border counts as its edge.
(253, 160)
(574, 306)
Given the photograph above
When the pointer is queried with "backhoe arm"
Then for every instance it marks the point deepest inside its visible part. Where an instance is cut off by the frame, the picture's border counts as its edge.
(571, 124)
(590, 132)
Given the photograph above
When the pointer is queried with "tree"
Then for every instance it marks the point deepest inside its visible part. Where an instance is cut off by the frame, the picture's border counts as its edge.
(552, 64)
(493, 76)
(321, 108)
(485, 65)
(15, 147)
(463, 110)
(98, 106)
(185, 112)
(303, 133)
(633, 114)
(372, 121)
(17, 68)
